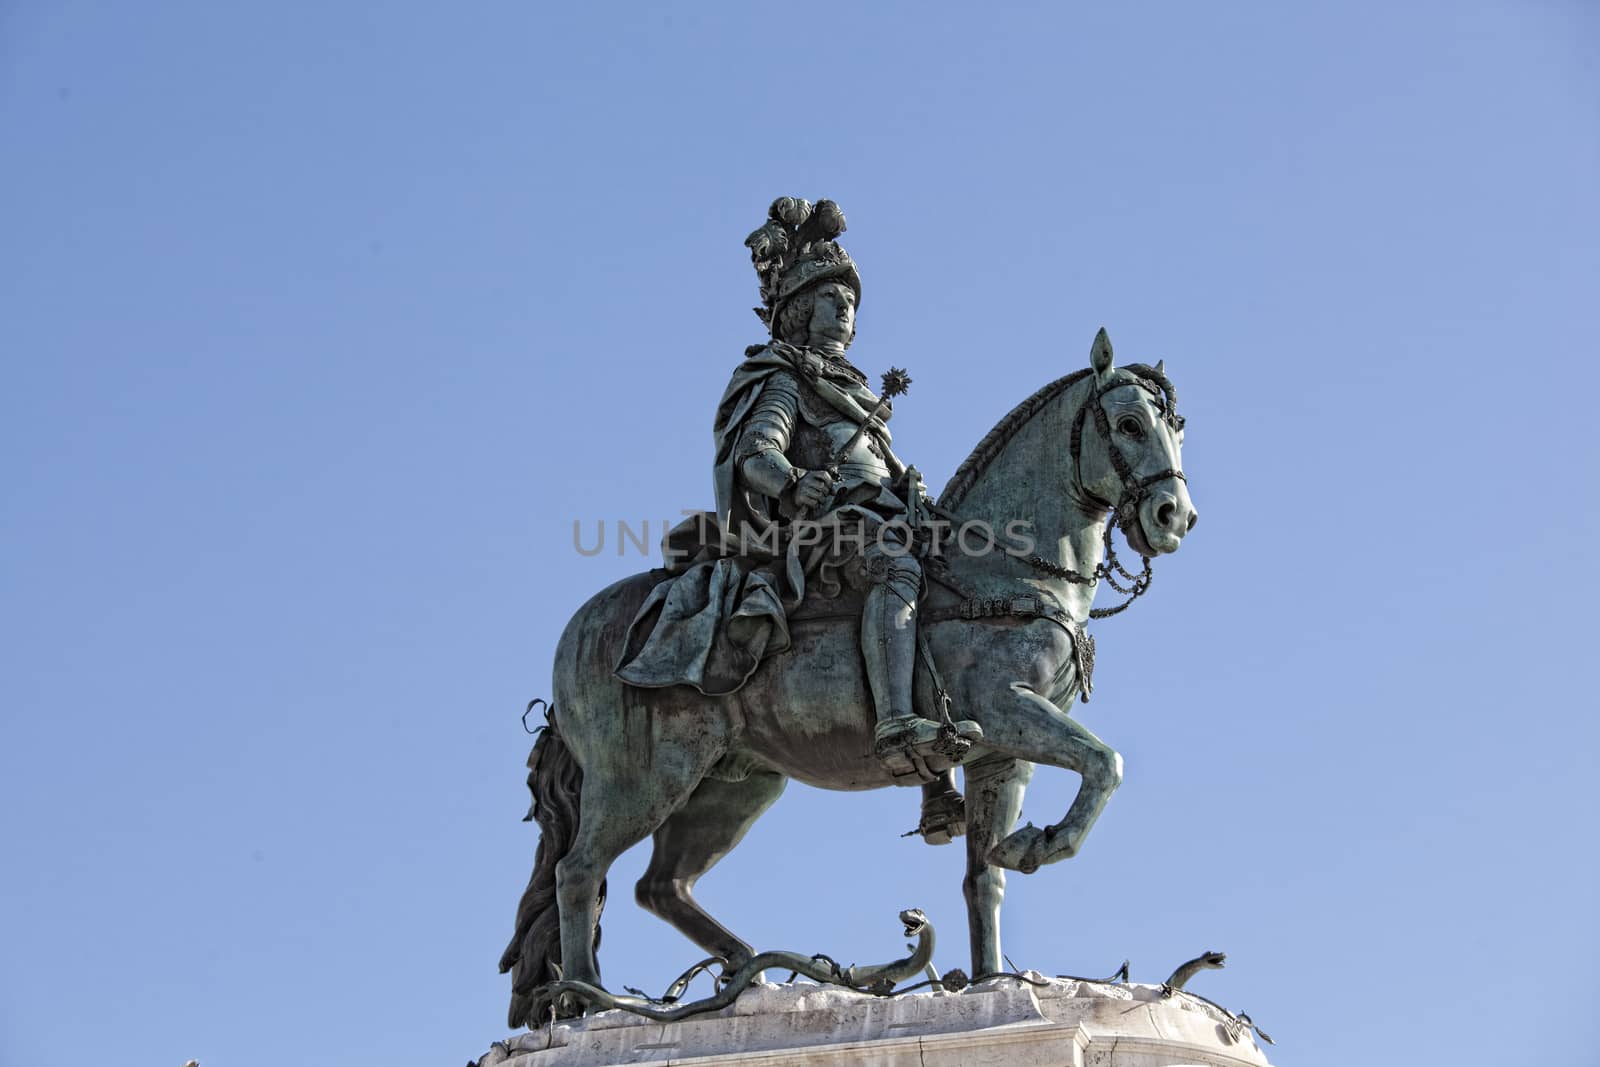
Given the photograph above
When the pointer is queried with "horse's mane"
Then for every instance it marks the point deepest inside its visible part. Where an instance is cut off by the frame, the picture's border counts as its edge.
(962, 480)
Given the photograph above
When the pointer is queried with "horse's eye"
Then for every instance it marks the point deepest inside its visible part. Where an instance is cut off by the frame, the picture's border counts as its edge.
(1130, 426)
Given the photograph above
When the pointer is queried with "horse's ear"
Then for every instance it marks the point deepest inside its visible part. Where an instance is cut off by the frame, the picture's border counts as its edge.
(1161, 366)
(1100, 354)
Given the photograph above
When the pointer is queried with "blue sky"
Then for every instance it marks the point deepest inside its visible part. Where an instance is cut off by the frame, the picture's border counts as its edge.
(323, 323)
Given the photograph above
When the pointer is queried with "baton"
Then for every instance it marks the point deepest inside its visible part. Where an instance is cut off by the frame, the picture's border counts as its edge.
(896, 382)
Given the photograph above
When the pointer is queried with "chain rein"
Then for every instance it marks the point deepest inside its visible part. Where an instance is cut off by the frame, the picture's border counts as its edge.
(1109, 570)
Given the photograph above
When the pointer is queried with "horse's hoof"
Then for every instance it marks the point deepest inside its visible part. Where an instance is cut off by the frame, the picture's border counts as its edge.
(1022, 850)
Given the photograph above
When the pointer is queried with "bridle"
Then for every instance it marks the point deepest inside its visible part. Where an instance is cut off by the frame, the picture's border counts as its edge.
(1125, 509)
(1134, 488)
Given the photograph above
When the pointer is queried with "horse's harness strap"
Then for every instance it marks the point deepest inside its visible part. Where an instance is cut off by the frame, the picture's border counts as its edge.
(1023, 606)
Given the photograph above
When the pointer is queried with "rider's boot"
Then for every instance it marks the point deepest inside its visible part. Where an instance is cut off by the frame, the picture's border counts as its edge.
(903, 740)
(944, 811)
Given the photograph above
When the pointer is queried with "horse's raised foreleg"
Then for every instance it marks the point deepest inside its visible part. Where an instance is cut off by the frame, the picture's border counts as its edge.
(1021, 723)
(994, 800)
(690, 843)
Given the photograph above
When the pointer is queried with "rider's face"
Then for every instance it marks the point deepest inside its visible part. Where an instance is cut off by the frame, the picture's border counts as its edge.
(833, 313)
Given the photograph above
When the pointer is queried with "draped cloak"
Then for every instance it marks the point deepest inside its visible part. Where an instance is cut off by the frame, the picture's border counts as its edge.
(734, 575)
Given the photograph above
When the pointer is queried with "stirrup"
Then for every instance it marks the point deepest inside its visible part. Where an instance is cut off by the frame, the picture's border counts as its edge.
(903, 742)
(944, 818)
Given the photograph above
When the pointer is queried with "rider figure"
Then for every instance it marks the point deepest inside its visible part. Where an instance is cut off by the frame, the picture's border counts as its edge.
(797, 452)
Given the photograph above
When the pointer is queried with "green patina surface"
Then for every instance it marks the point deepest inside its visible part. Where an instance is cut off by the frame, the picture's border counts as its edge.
(830, 623)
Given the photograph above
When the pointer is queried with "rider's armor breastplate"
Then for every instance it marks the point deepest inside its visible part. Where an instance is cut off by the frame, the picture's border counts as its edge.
(809, 431)
(815, 447)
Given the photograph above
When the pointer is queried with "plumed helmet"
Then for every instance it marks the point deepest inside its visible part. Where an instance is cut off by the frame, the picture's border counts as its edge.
(795, 249)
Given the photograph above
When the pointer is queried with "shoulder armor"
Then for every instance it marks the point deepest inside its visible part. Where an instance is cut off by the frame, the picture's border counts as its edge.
(817, 411)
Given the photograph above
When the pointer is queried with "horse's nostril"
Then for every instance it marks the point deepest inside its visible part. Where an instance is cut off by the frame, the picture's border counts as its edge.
(1194, 517)
(1164, 514)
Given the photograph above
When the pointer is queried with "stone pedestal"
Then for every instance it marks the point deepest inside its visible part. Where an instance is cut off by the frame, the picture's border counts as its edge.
(1002, 1022)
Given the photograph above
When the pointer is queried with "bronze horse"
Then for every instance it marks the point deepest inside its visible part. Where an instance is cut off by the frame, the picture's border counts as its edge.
(1004, 634)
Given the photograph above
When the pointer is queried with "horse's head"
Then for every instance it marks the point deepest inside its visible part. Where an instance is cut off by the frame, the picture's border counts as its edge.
(1127, 441)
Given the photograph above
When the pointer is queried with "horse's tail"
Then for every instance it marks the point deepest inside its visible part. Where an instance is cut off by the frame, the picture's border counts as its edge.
(534, 955)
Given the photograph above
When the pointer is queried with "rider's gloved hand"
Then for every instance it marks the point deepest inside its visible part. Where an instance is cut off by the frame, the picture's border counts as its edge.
(812, 489)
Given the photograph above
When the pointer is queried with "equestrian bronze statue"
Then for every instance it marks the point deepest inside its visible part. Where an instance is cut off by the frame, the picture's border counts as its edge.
(831, 622)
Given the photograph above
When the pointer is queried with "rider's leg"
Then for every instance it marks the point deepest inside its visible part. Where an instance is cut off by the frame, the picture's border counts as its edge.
(889, 647)
(889, 631)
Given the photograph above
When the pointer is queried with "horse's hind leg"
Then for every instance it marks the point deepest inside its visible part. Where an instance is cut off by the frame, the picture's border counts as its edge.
(690, 843)
(620, 807)
(994, 801)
